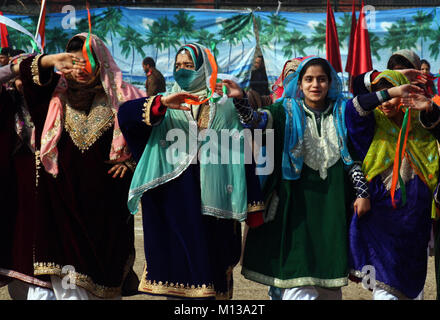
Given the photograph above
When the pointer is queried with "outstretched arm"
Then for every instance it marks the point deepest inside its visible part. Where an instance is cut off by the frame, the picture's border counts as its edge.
(138, 117)
(359, 117)
(249, 118)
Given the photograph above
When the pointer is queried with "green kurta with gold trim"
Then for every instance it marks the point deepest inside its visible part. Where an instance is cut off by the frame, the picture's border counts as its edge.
(306, 242)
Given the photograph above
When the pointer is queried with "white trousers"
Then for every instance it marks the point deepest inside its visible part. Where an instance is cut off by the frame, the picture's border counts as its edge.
(380, 294)
(60, 293)
(310, 293)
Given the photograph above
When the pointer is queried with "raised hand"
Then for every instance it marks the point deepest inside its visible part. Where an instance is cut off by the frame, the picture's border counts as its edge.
(219, 88)
(234, 90)
(404, 90)
(175, 100)
(67, 62)
(64, 62)
(414, 76)
(418, 101)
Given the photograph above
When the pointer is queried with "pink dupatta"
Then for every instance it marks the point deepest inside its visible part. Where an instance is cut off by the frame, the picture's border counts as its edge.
(116, 89)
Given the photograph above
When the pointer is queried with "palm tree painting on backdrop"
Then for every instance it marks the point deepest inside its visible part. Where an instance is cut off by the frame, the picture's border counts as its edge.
(300, 34)
(134, 33)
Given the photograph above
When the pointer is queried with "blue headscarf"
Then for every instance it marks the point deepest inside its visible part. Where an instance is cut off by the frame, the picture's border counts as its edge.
(293, 156)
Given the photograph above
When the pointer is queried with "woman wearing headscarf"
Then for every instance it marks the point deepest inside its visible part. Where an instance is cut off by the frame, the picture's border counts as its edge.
(388, 244)
(301, 249)
(257, 102)
(191, 206)
(290, 66)
(405, 61)
(430, 88)
(83, 234)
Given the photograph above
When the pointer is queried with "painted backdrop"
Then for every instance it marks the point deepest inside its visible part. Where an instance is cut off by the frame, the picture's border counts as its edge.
(134, 33)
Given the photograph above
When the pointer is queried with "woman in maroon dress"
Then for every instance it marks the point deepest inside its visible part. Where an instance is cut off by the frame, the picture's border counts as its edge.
(83, 232)
(8, 139)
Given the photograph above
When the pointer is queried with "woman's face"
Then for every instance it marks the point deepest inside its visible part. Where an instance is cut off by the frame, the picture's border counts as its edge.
(80, 75)
(425, 68)
(314, 85)
(391, 107)
(184, 61)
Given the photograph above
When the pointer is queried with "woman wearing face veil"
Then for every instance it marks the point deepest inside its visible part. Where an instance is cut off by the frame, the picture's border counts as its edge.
(191, 208)
(83, 231)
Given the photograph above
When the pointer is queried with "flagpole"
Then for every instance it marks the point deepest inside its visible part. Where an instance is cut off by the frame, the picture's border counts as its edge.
(343, 82)
(43, 5)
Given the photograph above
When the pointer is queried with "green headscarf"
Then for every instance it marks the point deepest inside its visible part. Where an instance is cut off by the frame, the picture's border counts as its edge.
(222, 185)
(421, 148)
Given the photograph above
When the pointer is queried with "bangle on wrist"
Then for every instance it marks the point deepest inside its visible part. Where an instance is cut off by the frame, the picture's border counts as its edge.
(385, 95)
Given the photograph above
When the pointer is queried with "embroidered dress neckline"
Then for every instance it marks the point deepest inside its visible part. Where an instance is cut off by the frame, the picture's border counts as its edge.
(321, 151)
(86, 128)
(312, 113)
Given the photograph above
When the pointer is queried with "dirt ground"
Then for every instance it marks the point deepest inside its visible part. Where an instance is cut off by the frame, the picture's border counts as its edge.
(248, 290)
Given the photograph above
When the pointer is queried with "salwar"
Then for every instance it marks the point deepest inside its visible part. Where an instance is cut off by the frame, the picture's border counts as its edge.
(59, 292)
(380, 294)
(40, 293)
(305, 293)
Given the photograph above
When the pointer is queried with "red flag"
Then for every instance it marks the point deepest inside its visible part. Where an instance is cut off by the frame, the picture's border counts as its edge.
(331, 40)
(4, 34)
(41, 24)
(351, 41)
(361, 49)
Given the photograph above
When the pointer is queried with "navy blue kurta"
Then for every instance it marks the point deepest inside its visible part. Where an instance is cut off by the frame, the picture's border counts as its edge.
(188, 254)
(392, 240)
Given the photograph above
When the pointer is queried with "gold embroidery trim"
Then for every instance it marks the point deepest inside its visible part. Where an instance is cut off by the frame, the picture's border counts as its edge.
(85, 130)
(36, 72)
(81, 280)
(204, 116)
(256, 206)
(147, 110)
(295, 282)
(51, 133)
(37, 167)
(382, 285)
(181, 290)
(175, 289)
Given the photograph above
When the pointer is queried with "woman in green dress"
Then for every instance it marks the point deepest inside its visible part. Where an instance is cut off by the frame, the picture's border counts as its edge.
(301, 248)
